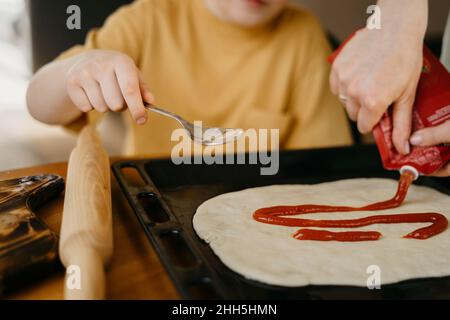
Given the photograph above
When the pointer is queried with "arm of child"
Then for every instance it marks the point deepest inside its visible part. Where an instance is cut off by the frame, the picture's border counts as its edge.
(320, 120)
(100, 75)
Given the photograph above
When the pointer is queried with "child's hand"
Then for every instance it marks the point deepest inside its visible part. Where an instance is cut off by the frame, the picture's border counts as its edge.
(107, 80)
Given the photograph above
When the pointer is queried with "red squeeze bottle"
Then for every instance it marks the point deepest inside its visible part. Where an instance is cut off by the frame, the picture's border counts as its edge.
(431, 108)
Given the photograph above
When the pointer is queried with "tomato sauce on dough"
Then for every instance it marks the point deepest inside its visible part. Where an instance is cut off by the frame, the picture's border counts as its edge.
(278, 215)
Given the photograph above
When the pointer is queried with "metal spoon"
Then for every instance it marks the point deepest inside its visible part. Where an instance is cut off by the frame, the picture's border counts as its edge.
(204, 135)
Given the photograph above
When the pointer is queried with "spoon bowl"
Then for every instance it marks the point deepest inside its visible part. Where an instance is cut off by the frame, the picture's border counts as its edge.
(207, 136)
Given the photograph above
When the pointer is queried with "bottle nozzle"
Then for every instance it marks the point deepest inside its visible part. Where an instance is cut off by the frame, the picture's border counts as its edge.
(410, 169)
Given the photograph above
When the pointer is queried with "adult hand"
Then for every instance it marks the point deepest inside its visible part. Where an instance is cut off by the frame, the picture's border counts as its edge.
(380, 68)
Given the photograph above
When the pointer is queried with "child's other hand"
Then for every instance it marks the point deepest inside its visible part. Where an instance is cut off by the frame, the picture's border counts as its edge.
(108, 80)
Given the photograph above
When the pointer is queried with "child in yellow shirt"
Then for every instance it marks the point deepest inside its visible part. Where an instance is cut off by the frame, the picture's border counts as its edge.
(230, 63)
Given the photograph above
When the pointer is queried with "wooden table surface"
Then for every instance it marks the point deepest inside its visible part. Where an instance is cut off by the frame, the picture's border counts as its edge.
(135, 271)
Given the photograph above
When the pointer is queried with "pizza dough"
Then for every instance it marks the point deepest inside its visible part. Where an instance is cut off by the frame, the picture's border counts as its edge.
(269, 254)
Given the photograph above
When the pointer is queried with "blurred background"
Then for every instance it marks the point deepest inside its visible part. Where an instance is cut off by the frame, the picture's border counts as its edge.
(33, 32)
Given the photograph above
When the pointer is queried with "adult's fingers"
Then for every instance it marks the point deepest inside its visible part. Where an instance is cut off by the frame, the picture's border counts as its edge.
(334, 81)
(339, 86)
(95, 95)
(432, 136)
(370, 113)
(111, 91)
(79, 97)
(352, 108)
(402, 121)
(128, 79)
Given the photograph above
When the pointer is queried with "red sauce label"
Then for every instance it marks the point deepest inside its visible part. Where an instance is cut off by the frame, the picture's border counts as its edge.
(278, 216)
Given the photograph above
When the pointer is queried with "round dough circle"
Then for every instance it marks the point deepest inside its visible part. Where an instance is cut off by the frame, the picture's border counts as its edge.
(269, 254)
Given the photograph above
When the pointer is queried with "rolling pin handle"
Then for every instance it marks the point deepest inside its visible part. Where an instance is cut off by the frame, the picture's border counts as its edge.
(85, 275)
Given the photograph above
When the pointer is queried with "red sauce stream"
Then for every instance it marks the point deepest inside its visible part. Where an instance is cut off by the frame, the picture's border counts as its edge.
(276, 215)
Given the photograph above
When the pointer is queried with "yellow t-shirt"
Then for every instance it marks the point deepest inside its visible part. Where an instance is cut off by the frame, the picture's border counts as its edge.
(202, 68)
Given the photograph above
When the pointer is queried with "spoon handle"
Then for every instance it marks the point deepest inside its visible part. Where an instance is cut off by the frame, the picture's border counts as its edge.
(162, 111)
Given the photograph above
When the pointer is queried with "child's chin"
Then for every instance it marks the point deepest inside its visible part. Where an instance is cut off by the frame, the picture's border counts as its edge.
(251, 20)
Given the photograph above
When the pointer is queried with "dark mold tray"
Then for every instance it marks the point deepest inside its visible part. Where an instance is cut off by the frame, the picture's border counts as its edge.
(165, 196)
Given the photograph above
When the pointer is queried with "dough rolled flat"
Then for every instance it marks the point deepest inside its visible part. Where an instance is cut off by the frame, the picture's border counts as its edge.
(269, 254)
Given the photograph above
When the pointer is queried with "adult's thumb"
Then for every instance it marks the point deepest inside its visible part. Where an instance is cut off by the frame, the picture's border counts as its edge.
(432, 136)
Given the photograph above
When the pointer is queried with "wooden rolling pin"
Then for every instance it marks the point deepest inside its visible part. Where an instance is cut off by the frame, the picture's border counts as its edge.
(86, 241)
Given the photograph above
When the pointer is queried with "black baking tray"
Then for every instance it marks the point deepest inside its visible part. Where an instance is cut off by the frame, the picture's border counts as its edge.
(165, 196)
